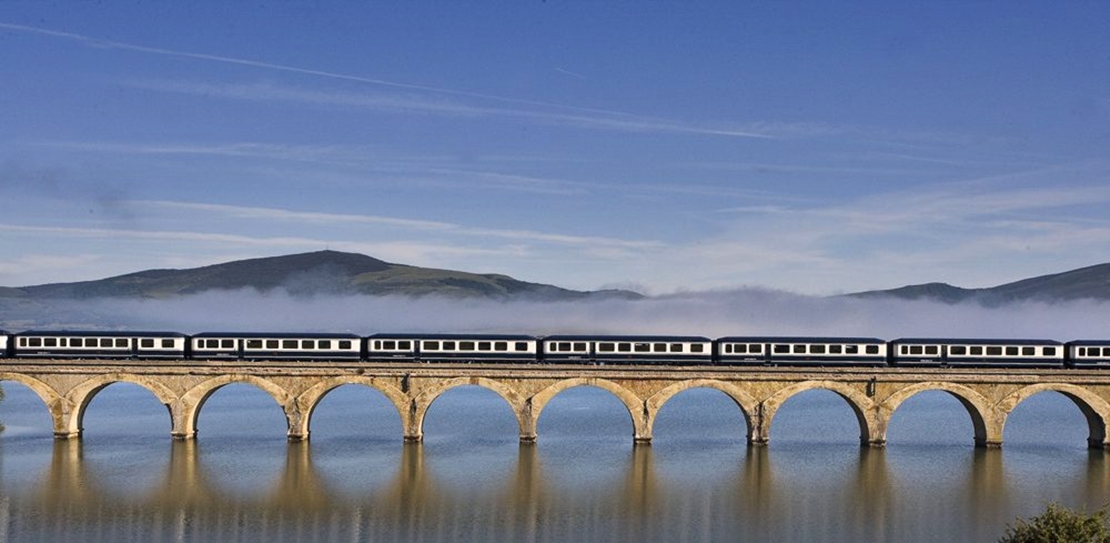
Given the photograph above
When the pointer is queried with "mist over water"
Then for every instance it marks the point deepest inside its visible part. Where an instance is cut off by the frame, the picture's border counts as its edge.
(712, 314)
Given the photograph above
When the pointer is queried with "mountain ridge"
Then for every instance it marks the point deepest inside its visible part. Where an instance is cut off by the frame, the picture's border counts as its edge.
(1090, 282)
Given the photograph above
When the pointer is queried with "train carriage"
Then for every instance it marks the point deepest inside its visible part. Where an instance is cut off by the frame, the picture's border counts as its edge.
(275, 346)
(981, 353)
(98, 344)
(461, 348)
(1088, 353)
(5, 350)
(647, 350)
(817, 351)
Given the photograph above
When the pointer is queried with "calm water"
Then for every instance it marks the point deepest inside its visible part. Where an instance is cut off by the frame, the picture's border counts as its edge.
(583, 481)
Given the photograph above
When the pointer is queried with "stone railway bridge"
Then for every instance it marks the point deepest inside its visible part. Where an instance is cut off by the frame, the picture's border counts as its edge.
(989, 395)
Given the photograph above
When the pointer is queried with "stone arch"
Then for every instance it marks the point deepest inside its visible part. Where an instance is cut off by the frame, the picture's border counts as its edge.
(187, 410)
(637, 409)
(747, 404)
(984, 418)
(1095, 409)
(861, 405)
(310, 399)
(414, 423)
(54, 402)
(79, 397)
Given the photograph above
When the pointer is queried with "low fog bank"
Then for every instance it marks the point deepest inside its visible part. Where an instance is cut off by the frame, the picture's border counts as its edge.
(713, 314)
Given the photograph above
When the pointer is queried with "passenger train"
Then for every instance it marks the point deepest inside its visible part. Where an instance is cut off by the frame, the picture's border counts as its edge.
(560, 349)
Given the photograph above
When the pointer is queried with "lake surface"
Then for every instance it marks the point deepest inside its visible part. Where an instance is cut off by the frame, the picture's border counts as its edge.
(584, 480)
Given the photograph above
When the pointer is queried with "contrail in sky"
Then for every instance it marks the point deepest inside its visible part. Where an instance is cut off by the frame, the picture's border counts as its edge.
(111, 44)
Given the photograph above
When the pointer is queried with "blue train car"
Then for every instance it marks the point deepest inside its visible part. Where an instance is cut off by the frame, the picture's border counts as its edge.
(1088, 353)
(275, 346)
(460, 348)
(98, 344)
(646, 350)
(979, 353)
(815, 351)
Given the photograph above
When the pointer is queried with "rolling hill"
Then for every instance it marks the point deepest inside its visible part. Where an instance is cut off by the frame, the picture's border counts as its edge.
(307, 274)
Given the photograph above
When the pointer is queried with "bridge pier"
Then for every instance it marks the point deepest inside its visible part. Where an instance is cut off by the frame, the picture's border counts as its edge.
(985, 443)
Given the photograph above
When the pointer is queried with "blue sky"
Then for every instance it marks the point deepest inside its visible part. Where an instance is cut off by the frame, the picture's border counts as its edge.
(816, 147)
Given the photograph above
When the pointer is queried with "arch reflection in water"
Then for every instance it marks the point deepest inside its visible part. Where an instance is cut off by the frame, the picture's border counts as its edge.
(767, 494)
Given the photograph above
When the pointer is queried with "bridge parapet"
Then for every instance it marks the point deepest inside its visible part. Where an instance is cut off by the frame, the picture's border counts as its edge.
(66, 387)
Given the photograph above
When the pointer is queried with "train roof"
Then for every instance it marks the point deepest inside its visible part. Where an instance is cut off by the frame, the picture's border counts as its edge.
(799, 339)
(1100, 342)
(98, 333)
(583, 337)
(507, 337)
(277, 335)
(976, 341)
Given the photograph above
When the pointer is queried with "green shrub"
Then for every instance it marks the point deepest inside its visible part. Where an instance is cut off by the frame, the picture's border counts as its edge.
(1059, 524)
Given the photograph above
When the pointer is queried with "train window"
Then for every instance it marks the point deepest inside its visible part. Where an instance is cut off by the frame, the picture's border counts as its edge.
(932, 350)
(872, 349)
(254, 343)
(851, 349)
(167, 343)
(50, 342)
(484, 345)
(1011, 351)
(799, 349)
(1028, 351)
(836, 349)
(308, 344)
(405, 345)
(697, 348)
(817, 349)
(145, 343)
(61, 342)
(288, 344)
(662, 347)
(916, 349)
(376, 345)
(957, 350)
(606, 347)
(345, 344)
(323, 344)
(431, 345)
(755, 348)
(448, 345)
(389, 345)
(782, 349)
(642, 347)
(1105, 351)
(994, 351)
(676, 347)
(1049, 351)
(976, 351)
(466, 345)
(624, 347)
(272, 344)
(738, 349)
(500, 346)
